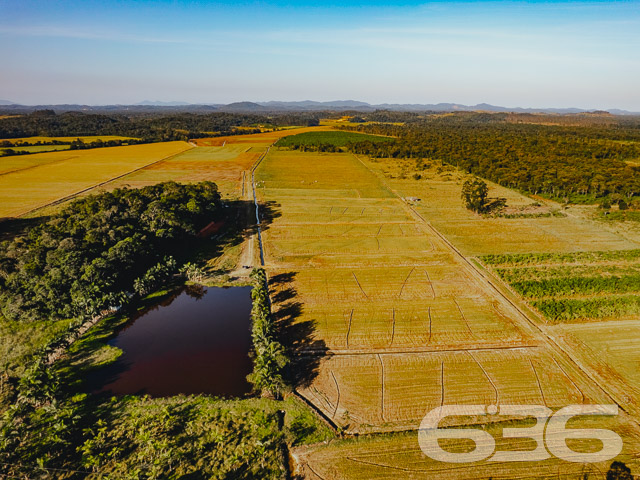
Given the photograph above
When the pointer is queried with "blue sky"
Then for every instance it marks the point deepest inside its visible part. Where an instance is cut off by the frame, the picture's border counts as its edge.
(532, 54)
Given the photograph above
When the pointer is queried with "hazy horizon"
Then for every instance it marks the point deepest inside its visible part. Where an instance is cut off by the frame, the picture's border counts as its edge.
(512, 54)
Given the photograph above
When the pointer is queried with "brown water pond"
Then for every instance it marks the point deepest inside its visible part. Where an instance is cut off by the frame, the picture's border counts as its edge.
(195, 341)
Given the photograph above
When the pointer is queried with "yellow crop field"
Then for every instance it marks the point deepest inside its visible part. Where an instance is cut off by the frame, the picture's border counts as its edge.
(384, 457)
(439, 192)
(44, 178)
(226, 166)
(385, 318)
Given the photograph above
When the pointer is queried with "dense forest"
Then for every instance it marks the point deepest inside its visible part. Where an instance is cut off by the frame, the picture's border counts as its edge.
(102, 250)
(148, 127)
(573, 163)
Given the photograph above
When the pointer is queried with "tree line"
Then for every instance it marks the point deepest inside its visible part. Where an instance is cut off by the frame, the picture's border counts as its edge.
(147, 127)
(269, 356)
(572, 163)
(101, 251)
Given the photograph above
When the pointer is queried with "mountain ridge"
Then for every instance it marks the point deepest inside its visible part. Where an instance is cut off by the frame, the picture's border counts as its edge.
(299, 106)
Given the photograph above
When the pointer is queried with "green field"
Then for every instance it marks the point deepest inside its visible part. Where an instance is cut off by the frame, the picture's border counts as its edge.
(336, 138)
(575, 287)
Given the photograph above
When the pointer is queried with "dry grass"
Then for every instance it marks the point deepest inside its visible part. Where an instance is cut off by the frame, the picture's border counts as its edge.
(439, 194)
(47, 177)
(403, 322)
(222, 165)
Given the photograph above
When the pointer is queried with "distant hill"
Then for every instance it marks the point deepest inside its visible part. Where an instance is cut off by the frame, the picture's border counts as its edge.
(156, 103)
(295, 106)
(244, 107)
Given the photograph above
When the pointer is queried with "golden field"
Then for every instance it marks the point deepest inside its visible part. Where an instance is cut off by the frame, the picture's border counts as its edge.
(34, 181)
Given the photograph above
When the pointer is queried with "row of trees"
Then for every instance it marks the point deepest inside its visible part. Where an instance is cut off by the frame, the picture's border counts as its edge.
(148, 127)
(100, 250)
(269, 356)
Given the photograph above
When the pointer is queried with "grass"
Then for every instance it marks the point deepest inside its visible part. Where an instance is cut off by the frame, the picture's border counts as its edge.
(439, 192)
(19, 342)
(38, 179)
(574, 287)
(338, 139)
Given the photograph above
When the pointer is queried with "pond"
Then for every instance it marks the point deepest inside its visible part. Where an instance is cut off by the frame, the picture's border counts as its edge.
(195, 341)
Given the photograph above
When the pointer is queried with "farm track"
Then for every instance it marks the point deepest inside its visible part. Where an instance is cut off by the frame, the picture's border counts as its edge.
(531, 324)
(255, 201)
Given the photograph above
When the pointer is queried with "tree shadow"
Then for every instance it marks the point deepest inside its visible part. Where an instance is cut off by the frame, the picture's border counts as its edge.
(14, 227)
(306, 351)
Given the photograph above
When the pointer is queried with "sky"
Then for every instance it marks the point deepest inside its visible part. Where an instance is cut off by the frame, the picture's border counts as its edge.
(529, 54)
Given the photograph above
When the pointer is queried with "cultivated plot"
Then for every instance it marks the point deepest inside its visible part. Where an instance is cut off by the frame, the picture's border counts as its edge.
(438, 191)
(48, 177)
(395, 321)
(385, 457)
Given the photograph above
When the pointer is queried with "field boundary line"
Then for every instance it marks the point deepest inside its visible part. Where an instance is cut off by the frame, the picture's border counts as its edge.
(405, 281)
(464, 318)
(68, 197)
(318, 411)
(433, 290)
(570, 380)
(361, 289)
(381, 388)
(412, 350)
(442, 383)
(486, 374)
(535, 372)
(335, 410)
(393, 325)
(349, 327)
(38, 165)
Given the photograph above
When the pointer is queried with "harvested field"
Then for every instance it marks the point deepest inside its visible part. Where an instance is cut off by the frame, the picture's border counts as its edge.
(393, 319)
(384, 457)
(439, 192)
(39, 179)
(222, 165)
